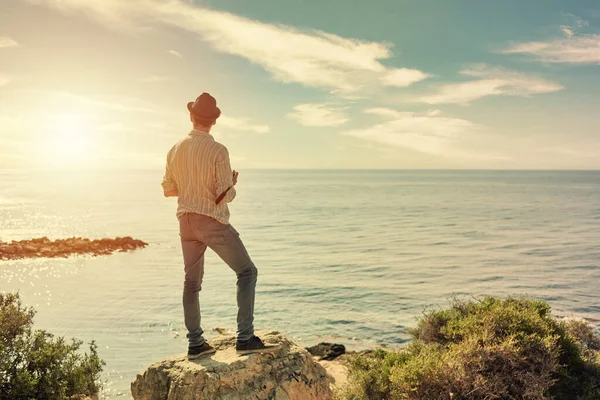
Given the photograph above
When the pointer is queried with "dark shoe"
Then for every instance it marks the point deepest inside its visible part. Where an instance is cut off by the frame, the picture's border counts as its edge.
(197, 351)
(255, 345)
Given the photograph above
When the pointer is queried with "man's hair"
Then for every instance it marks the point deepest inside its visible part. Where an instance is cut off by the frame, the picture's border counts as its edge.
(206, 123)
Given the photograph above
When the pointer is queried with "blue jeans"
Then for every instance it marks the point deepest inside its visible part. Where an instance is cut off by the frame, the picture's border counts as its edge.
(197, 233)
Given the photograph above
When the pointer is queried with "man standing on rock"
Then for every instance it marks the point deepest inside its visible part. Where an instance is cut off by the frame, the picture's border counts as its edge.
(199, 174)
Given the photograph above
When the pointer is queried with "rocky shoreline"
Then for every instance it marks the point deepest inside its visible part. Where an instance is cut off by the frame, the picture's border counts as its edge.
(62, 248)
(290, 373)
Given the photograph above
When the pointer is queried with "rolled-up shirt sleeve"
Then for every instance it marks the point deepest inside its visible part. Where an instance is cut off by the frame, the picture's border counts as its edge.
(224, 176)
(168, 182)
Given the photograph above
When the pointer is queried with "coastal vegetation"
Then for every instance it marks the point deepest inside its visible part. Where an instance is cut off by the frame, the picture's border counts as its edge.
(35, 364)
(493, 348)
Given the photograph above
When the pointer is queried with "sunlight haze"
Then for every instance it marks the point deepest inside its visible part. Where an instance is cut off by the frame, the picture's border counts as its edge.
(302, 85)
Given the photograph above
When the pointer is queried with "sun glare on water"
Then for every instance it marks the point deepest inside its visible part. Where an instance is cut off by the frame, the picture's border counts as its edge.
(68, 140)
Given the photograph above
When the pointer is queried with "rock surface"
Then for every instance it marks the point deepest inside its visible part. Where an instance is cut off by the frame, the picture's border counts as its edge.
(337, 370)
(44, 247)
(327, 351)
(290, 373)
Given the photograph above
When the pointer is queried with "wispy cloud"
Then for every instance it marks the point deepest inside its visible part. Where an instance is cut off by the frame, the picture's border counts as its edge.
(7, 42)
(156, 78)
(574, 48)
(383, 112)
(318, 115)
(242, 124)
(312, 58)
(67, 99)
(567, 30)
(391, 114)
(417, 131)
(402, 77)
(175, 53)
(491, 82)
(163, 116)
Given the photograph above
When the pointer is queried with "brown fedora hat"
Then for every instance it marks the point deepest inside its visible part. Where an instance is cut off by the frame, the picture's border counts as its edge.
(205, 107)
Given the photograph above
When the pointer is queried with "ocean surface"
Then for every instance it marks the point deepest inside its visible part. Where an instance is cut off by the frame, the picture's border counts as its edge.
(350, 256)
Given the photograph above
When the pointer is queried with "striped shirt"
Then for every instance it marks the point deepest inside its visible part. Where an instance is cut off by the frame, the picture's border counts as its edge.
(198, 168)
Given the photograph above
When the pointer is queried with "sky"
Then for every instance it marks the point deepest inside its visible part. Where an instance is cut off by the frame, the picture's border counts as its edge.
(303, 84)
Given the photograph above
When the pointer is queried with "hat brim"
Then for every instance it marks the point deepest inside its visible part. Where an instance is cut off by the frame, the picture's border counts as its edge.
(215, 115)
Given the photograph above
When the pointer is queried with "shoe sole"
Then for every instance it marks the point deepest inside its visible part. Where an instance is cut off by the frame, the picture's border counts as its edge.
(194, 356)
(266, 349)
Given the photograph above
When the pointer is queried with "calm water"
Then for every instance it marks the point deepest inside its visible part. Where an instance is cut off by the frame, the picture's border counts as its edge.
(356, 255)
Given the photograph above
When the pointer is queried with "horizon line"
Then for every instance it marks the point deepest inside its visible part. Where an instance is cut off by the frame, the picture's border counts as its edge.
(100, 169)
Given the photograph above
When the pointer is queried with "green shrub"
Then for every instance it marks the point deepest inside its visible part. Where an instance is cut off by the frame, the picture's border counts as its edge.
(37, 365)
(490, 349)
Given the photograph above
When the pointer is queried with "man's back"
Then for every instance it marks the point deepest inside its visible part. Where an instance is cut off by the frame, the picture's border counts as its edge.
(198, 168)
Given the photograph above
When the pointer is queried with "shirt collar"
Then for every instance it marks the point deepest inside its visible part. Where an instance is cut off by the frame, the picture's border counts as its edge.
(197, 132)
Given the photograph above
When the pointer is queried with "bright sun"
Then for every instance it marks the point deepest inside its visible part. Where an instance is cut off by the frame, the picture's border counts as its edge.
(67, 140)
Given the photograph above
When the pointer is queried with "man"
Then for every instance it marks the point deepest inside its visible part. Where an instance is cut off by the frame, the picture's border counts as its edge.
(199, 174)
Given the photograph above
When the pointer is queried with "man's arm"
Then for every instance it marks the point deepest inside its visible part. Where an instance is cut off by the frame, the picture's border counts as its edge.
(169, 185)
(224, 176)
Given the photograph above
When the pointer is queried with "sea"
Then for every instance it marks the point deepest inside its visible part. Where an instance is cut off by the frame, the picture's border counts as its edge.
(353, 256)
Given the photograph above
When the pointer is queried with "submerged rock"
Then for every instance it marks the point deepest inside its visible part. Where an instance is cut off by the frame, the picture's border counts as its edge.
(289, 373)
(44, 247)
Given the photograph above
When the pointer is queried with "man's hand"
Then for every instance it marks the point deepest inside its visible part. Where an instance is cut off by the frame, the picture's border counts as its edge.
(171, 193)
(235, 176)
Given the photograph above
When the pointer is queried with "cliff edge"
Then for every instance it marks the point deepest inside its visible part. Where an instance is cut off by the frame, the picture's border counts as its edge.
(290, 373)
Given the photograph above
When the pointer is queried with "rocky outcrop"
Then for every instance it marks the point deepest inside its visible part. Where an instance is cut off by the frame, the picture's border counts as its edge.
(327, 351)
(44, 247)
(290, 373)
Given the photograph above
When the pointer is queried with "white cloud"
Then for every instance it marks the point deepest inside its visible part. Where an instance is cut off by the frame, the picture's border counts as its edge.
(574, 49)
(567, 30)
(421, 132)
(175, 53)
(403, 77)
(383, 112)
(493, 81)
(571, 49)
(312, 58)
(577, 22)
(7, 42)
(242, 124)
(318, 115)
(464, 92)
